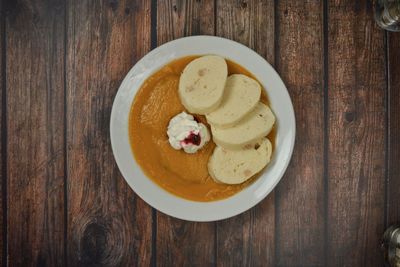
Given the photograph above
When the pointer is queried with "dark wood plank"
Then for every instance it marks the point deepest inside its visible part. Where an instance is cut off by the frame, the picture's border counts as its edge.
(250, 23)
(177, 18)
(393, 186)
(300, 197)
(35, 127)
(182, 243)
(356, 132)
(248, 239)
(108, 225)
(3, 143)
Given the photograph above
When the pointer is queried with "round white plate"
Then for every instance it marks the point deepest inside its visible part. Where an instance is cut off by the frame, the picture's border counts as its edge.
(165, 201)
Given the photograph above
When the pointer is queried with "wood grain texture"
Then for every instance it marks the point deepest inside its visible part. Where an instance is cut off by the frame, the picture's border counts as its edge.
(248, 239)
(3, 143)
(35, 116)
(300, 197)
(178, 18)
(356, 133)
(250, 23)
(393, 186)
(60, 67)
(183, 243)
(107, 224)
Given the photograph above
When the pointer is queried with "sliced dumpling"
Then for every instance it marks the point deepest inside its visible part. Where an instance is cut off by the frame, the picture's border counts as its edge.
(241, 95)
(202, 83)
(251, 128)
(237, 166)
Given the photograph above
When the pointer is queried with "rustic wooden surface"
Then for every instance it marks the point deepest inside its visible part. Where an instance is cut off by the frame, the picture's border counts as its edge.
(300, 195)
(3, 142)
(34, 70)
(107, 225)
(63, 200)
(393, 168)
(356, 134)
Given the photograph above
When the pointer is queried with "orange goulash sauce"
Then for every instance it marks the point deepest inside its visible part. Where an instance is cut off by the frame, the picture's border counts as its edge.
(184, 175)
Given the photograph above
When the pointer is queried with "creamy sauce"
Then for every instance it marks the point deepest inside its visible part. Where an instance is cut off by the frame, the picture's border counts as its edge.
(182, 174)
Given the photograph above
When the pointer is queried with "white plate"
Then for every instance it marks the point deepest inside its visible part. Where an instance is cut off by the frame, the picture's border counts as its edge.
(163, 200)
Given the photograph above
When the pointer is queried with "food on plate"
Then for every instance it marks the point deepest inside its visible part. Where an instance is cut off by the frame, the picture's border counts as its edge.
(185, 132)
(241, 96)
(237, 166)
(254, 126)
(160, 121)
(202, 84)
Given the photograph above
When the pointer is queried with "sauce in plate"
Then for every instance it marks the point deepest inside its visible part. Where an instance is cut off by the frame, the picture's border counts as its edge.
(184, 175)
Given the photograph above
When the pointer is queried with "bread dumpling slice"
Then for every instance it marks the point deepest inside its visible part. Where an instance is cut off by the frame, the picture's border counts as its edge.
(202, 83)
(241, 95)
(237, 166)
(254, 126)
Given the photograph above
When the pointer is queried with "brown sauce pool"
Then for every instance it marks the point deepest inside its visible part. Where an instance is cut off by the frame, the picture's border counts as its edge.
(184, 175)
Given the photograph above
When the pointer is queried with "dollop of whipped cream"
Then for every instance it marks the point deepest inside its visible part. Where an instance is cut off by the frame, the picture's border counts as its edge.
(184, 132)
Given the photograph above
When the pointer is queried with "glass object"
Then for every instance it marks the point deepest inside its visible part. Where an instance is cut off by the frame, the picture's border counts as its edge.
(387, 14)
(391, 246)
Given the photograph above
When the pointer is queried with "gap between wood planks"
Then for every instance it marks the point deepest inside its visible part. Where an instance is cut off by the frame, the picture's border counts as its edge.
(3, 141)
(153, 40)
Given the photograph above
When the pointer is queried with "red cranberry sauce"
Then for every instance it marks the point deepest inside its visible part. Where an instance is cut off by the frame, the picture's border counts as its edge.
(192, 138)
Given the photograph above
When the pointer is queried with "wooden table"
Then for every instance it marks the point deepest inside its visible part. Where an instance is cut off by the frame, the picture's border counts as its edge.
(64, 202)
